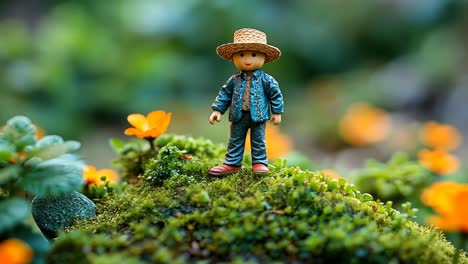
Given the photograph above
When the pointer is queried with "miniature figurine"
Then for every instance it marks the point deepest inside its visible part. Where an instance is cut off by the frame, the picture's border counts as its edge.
(251, 94)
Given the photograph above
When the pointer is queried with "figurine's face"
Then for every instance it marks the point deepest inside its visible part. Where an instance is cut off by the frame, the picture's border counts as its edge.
(248, 60)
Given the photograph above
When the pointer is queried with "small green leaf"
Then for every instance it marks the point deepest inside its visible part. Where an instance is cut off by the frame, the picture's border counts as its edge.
(33, 161)
(20, 131)
(136, 144)
(201, 197)
(342, 181)
(8, 173)
(72, 145)
(54, 177)
(49, 141)
(365, 197)
(399, 158)
(14, 211)
(7, 150)
(389, 206)
(332, 185)
(117, 144)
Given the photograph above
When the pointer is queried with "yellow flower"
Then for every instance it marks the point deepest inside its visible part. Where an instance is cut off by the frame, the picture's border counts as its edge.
(152, 126)
(331, 173)
(449, 200)
(93, 176)
(438, 161)
(363, 124)
(277, 144)
(440, 136)
(15, 251)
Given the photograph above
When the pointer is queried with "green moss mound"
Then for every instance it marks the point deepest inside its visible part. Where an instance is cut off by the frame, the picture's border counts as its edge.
(289, 216)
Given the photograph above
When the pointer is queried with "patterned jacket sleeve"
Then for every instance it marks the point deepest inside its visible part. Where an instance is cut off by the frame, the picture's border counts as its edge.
(275, 96)
(223, 100)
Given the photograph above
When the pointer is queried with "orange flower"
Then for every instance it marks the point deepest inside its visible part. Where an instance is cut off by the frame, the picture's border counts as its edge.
(15, 251)
(151, 126)
(438, 161)
(440, 136)
(277, 144)
(93, 176)
(449, 200)
(331, 173)
(363, 124)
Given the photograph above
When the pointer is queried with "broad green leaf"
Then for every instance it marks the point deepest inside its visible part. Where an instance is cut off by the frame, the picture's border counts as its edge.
(137, 145)
(73, 145)
(9, 172)
(32, 161)
(28, 233)
(13, 211)
(7, 150)
(45, 143)
(20, 131)
(49, 141)
(52, 146)
(54, 177)
(117, 144)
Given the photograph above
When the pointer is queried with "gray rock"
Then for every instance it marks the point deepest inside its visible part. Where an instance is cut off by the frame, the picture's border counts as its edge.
(55, 213)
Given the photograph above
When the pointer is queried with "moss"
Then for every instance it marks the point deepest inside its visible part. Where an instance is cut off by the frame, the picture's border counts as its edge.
(70, 248)
(202, 148)
(397, 180)
(288, 216)
(134, 155)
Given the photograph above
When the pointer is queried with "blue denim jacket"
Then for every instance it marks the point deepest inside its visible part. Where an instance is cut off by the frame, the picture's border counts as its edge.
(265, 96)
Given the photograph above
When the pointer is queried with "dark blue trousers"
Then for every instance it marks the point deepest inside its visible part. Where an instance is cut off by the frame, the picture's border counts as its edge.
(239, 129)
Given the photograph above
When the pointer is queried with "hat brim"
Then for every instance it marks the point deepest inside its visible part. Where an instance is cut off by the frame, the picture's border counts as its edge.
(226, 51)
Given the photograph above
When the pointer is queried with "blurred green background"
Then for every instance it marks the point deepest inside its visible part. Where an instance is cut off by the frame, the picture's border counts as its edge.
(78, 68)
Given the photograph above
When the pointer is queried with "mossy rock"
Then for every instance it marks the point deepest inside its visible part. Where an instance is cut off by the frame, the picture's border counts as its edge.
(289, 216)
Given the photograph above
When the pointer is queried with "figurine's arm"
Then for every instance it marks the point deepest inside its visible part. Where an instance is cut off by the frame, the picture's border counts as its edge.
(276, 101)
(222, 101)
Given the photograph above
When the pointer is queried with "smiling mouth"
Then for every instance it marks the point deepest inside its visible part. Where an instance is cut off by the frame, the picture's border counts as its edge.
(248, 64)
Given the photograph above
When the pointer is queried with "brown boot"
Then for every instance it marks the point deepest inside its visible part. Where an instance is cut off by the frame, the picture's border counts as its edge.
(260, 168)
(223, 169)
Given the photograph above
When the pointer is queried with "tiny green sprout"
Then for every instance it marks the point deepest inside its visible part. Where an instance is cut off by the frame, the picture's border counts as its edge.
(201, 197)
(365, 197)
(332, 185)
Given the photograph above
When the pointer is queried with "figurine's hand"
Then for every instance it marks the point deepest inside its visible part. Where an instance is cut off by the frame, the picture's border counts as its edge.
(276, 119)
(215, 116)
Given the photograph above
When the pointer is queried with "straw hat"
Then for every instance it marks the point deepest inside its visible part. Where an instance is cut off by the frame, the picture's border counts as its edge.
(249, 39)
